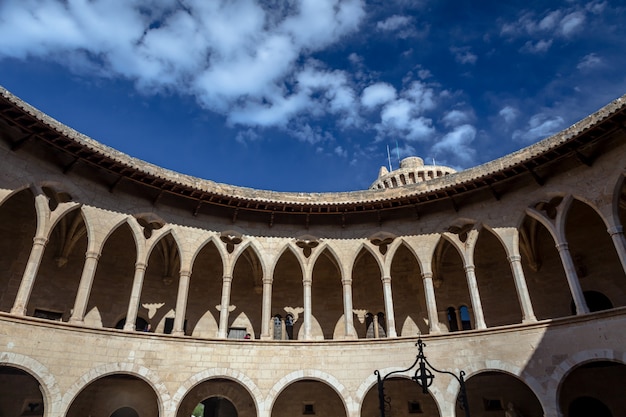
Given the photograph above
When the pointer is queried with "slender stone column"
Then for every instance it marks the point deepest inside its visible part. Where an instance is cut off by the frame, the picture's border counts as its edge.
(617, 235)
(307, 283)
(375, 325)
(477, 306)
(528, 315)
(181, 303)
(266, 313)
(431, 302)
(389, 313)
(222, 333)
(84, 288)
(28, 279)
(572, 278)
(135, 296)
(347, 307)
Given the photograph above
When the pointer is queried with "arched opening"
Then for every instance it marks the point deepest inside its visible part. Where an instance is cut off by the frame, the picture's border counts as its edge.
(247, 294)
(409, 301)
(115, 393)
(449, 280)
(283, 327)
(367, 291)
(406, 399)
(376, 326)
(205, 292)
(18, 222)
(287, 291)
(495, 282)
(493, 393)
(453, 323)
(308, 397)
(543, 270)
(466, 321)
(160, 286)
(125, 412)
(326, 293)
(593, 253)
(58, 278)
(20, 393)
(597, 386)
(218, 397)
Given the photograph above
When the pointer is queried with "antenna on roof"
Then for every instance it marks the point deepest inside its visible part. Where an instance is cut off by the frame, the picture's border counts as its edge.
(389, 158)
(434, 161)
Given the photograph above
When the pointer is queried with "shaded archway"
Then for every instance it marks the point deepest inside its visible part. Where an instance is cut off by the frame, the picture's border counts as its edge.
(597, 386)
(493, 392)
(543, 269)
(326, 293)
(246, 295)
(409, 301)
(367, 292)
(495, 282)
(107, 395)
(160, 285)
(406, 398)
(205, 293)
(287, 290)
(20, 393)
(308, 397)
(18, 222)
(593, 253)
(218, 397)
(113, 281)
(125, 412)
(451, 290)
(58, 277)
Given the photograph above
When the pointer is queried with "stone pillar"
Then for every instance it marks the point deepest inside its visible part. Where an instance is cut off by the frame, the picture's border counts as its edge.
(266, 313)
(347, 308)
(84, 288)
(135, 296)
(572, 278)
(375, 325)
(389, 313)
(181, 303)
(431, 302)
(28, 279)
(528, 315)
(479, 318)
(307, 283)
(617, 235)
(222, 333)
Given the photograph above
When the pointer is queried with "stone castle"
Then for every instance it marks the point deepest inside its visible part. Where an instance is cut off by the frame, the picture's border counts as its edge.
(130, 290)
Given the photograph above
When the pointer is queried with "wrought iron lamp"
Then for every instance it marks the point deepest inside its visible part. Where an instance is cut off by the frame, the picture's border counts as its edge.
(423, 377)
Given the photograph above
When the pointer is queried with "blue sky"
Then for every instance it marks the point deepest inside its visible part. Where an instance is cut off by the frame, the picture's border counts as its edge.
(305, 95)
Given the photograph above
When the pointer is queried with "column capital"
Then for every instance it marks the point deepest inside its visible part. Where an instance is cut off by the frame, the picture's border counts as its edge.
(140, 266)
(346, 281)
(386, 280)
(469, 268)
(562, 246)
(41, 241)
(268, 281)
(514, 258)
(184, 273)
(615, 230)
(227, 278)
(427, 275)
(307, 282)
(92, 255)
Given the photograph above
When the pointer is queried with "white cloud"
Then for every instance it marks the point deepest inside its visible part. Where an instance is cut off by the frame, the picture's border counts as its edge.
(539, 126)
(456, 145)
(572, 23)
(340, 151)
(455, 118)
(244, 59)
(393, 23)
(589, 61)
(464, 55)
(377, 94)
(509, 114)
(540, 46)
